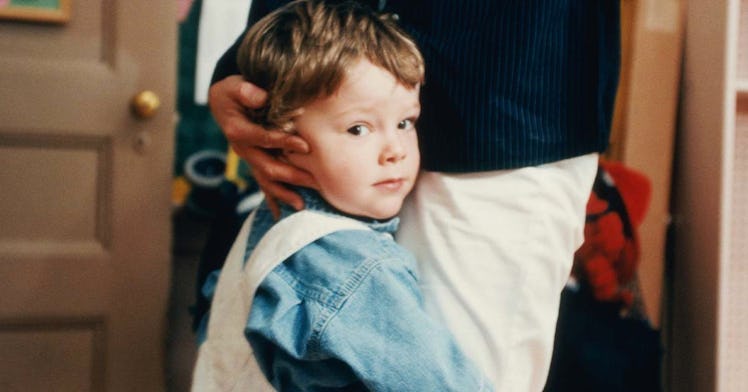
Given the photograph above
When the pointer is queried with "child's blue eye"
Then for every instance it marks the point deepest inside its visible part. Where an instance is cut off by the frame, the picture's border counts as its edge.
(359, 130)
(406, 124)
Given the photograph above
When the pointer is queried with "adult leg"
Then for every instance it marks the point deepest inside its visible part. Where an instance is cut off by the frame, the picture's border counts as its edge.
(495, 250)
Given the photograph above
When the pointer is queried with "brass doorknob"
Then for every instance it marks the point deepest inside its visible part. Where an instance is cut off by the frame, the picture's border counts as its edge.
(145, 104)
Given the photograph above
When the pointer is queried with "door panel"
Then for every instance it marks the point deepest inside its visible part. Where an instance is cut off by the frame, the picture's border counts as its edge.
(85, 199)
(65, 356)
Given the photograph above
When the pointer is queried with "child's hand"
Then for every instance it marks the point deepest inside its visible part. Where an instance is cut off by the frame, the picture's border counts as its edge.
(228, 100)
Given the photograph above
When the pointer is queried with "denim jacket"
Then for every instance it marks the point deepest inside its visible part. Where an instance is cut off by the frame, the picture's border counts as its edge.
(346, 313)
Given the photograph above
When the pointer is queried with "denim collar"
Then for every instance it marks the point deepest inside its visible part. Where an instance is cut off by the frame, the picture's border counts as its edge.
(313, 201)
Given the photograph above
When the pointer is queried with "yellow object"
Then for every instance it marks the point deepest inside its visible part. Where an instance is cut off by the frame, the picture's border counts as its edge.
(180, 190)
(232, 169)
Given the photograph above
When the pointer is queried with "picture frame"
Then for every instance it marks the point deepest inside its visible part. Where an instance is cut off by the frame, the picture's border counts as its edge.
(39, 11)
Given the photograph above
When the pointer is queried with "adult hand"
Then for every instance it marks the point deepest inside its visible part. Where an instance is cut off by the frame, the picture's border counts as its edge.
(228, 99)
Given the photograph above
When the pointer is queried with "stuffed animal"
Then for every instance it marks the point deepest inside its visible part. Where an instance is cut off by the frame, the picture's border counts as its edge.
(608, 259)
(604, 341)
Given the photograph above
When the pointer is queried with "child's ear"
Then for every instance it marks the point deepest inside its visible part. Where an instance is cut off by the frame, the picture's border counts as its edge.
(293, 115)
(288, 127)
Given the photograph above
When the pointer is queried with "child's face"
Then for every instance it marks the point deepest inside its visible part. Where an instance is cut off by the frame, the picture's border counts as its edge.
(364, 151)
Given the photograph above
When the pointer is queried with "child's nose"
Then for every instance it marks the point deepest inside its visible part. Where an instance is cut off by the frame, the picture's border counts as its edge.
(394, 148)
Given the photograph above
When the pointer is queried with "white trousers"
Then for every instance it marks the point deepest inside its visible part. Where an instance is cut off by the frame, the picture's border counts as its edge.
(495, 250)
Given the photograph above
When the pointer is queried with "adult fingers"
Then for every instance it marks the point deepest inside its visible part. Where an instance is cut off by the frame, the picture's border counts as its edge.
(272, 139)
(229, 99)
(274, 170)
(275, 192)
(273, 206)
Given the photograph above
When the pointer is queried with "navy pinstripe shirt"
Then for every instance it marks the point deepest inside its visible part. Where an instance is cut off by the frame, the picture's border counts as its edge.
(509, 83)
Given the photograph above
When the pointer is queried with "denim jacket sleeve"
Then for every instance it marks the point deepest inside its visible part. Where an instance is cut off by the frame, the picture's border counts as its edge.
(372, 333)
(392, 343)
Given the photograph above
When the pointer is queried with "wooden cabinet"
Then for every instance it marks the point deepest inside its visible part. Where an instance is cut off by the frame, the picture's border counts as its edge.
(710, 203)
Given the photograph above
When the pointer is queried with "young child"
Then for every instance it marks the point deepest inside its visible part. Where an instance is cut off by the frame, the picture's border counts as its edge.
(335, 301)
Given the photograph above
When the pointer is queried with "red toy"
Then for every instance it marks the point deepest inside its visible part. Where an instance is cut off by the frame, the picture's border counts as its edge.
(608, 259)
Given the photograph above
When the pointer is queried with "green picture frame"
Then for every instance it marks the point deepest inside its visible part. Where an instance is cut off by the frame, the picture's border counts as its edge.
(42, 11)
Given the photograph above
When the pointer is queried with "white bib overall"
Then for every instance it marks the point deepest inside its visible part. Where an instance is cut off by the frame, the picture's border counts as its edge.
(224, 360)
